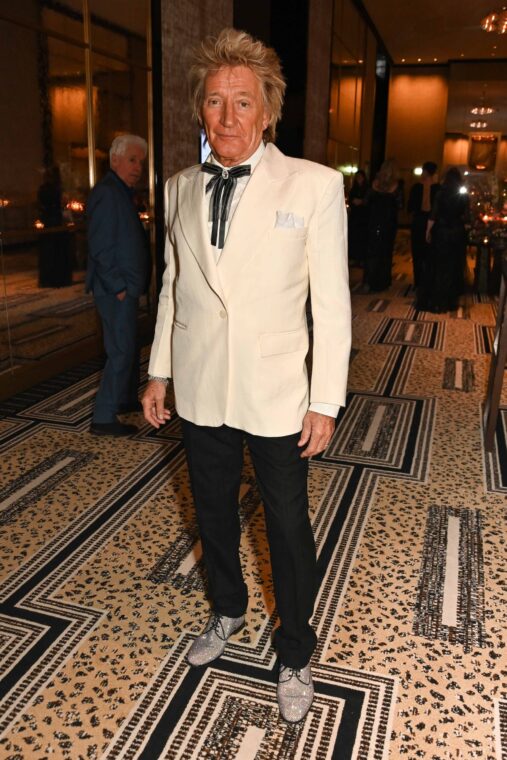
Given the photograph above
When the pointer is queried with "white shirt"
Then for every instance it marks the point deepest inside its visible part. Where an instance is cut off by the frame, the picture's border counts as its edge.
(330, 410)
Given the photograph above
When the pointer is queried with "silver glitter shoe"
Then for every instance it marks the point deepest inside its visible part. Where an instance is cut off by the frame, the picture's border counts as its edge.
(212, 642)
(294, 693)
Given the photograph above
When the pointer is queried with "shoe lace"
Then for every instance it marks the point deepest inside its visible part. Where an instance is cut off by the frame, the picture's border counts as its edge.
(287, 673)
(215, 624)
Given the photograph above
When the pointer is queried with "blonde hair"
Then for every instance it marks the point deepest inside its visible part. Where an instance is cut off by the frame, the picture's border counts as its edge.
(235, 48)
(387, 176)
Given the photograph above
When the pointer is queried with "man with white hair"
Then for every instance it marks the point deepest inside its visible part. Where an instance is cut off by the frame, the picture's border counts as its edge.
(117, 275)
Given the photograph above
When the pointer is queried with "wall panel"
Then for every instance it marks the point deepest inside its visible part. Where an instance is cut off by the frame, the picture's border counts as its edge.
(184, 24)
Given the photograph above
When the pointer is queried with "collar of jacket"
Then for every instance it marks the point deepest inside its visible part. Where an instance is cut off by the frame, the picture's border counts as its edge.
(255, 213)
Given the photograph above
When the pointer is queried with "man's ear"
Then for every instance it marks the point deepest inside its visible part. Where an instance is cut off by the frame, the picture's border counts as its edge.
(266, 120)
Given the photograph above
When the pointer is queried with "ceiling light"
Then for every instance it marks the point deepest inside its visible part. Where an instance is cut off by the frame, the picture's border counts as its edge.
(403, 60)
(482, 110)
(418, 171)
(478, 124)
(419, 60)
(435, 59)
(496, 21)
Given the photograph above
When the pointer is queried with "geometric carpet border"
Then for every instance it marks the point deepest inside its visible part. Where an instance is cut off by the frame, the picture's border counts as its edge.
(450, 596)
(501, 728)
(27, 593)
(495, 461)
(483, 339)
(374, 432)
(233, 715)
(22, 575)
(69, 404)
(402, 332)
(152, 728)
(40, 480)
(333, 585)
(11, 428)
(404, 455)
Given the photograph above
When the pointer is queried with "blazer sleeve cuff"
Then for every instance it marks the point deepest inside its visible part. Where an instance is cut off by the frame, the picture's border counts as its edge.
(330, 410)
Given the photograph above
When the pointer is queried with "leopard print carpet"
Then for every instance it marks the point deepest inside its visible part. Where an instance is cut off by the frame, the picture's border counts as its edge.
(103, 591)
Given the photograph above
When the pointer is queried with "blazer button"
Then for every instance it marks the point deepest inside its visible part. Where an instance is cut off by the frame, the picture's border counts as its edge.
(222, 314)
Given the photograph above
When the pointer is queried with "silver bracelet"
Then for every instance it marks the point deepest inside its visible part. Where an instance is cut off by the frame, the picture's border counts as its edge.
(164, 380)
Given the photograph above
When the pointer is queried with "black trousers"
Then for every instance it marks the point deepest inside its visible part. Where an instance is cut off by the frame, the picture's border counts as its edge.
(420, 248)
(215, 461)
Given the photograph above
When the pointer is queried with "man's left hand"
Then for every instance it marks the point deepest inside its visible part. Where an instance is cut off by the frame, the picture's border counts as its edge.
(317, 432)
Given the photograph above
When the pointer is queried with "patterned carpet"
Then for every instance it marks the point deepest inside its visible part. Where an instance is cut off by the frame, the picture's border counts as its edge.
(39, 322)
(102, 588)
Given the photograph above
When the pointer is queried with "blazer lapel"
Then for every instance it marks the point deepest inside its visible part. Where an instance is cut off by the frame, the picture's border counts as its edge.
(191, 213)
(254, 216)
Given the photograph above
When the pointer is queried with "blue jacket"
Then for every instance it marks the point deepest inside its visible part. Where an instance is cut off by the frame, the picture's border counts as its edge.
(118, 256)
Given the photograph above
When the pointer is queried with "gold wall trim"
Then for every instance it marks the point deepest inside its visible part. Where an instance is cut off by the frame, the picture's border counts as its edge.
(92, 169)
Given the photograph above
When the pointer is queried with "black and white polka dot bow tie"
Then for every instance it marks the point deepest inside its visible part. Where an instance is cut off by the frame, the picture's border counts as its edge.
(222, 184)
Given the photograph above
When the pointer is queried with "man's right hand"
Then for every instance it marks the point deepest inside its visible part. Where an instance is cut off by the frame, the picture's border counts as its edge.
(121, 296)
(153, 404)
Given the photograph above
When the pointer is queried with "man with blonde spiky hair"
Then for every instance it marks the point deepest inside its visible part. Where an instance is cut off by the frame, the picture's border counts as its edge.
(248, 233)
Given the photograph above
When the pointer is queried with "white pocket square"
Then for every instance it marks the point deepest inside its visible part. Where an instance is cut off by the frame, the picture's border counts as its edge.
(288, 220)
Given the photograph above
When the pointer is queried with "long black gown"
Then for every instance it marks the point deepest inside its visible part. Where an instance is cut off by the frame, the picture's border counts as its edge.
(419, 246)
(358, 222)
(382, 225)
(451, 211)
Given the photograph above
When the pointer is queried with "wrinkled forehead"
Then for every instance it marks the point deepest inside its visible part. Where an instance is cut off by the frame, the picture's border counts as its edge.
(233, 78)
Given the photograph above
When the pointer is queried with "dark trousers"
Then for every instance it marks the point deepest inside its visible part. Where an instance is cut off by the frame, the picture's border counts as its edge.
(120, 378)
(215, 461)
(448, 252)
(421, 259)
(420, 248)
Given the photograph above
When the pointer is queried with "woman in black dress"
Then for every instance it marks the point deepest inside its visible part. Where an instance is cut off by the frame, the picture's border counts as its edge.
(383, 204)
(447, 234)
(358, 217)
(420, 202)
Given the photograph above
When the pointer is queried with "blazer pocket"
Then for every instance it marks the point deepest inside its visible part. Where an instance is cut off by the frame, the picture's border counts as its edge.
(283, 342)
(180, 325)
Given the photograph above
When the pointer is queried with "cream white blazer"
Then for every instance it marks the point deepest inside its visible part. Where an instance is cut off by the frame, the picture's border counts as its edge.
(233, 335)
